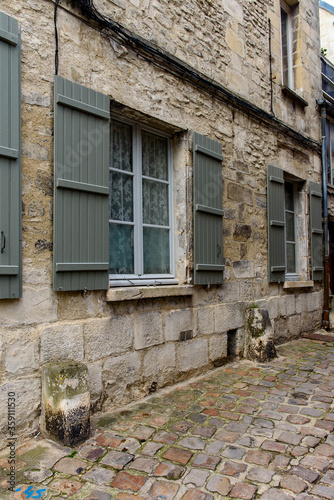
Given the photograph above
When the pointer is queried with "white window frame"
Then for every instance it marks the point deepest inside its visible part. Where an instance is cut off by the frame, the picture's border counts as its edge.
(286, 8)
(139, 278)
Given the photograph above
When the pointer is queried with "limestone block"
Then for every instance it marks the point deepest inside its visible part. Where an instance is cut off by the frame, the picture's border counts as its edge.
(206, 320)
(313, 301)
(66, 402)
(317, 319)
(281, 330)
(148, 329)
(295, 325)
(301, 303)
(218, 347)
(27, 405)
(229, 291)
(192, 354)
(2, 336)
(71, 306)
(234, 9)
(203, 296)
(108, 337)
(32, 275)
(95, 380)
(36, 306)
(240, 342)
(159, 363)
(281, 306)
(178, 321)
(243, 269)
(239, 194)
(229, 316)
(259, 344)
(22, 356)
(271, 306)
(62, 342)
(290, 304)
(125, 369)
(37, 99)
(234, 42)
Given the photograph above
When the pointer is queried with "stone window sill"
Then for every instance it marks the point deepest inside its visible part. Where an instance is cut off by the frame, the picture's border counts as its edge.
(298, 284)
(147, 292)
(294, 96)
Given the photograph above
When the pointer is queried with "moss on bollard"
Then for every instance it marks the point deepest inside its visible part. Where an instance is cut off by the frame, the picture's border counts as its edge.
(259, 343)
(66, 402)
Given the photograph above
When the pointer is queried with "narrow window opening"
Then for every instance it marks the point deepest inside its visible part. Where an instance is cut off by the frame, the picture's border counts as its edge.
(232, 344)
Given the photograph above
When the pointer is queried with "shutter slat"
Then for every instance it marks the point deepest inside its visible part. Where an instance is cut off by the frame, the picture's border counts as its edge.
(209, 210)
(82, 186)
(10, 159)
(276, 225)
(82, 266)
(9, 153)
(209, 267)
(316, 231)
(6, 36)
(81, 225)
(208, 152)
(9, 270)
(81, 106)
(208, 213)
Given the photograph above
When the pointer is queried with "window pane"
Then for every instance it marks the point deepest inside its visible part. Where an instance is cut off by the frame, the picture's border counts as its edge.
(290, 226)
(154, 156)
(121, 146)
(155, 203)
(121, 249)
(289, 204)
(121, 196)
(284, 45)
(156, 250)
(290, 258)
(332, 152)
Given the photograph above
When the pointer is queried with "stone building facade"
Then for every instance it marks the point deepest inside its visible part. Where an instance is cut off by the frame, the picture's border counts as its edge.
(169, 79)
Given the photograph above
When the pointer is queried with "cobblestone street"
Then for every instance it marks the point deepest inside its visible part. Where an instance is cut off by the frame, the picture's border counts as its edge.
(241, 431)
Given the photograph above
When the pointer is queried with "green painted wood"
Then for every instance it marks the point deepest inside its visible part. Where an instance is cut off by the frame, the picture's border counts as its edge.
(82, 186)
(81, 156)
(276, 225)
(316, 231)
(80, 106)
(10, 159)
(208, 211)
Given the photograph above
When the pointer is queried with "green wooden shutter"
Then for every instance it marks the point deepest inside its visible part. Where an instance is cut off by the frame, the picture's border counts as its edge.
(208, 213)
(276, 225)
(10, 159)
(316, 231)
(81, 202)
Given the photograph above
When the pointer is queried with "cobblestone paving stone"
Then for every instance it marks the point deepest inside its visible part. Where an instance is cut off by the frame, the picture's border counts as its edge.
(243, 431)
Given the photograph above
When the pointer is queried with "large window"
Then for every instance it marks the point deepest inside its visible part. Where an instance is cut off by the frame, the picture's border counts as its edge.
(141, 205)
(286, 45)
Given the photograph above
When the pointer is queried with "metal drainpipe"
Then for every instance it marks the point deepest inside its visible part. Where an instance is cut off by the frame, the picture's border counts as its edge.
(325, 320)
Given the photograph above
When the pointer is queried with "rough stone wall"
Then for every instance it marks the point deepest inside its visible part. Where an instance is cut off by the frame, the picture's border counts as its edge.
(130, 345)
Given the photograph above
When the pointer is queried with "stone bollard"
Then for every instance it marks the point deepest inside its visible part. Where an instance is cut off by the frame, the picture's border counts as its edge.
(259, 343)
(65, 402)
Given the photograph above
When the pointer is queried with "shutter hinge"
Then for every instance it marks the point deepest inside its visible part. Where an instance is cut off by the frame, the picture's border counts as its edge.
(3, 241)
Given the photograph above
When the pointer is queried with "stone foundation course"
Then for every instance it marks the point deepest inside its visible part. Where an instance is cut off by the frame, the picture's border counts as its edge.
(246, 430)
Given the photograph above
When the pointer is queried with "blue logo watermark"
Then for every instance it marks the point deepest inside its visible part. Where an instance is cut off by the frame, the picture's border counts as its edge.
(30, 493)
